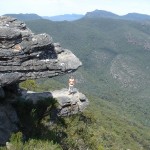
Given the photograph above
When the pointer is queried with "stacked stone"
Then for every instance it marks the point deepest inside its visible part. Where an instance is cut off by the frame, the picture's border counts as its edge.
(24, 55)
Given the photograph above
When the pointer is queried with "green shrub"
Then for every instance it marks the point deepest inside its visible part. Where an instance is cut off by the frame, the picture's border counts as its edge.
(32, 144)
(41, 145)
(29, 85)
(16, 141)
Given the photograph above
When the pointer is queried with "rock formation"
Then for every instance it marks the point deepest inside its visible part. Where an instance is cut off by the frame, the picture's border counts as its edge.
(68, 104)
(24, 55)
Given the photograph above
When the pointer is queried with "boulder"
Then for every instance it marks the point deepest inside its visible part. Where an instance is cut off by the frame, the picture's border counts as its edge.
(68, 104)
(24, 55)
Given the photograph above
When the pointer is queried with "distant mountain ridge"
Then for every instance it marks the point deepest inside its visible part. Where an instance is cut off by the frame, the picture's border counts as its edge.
(24, 17)
(101, 14)
(136, 16)
(93, 14)
(106, 14)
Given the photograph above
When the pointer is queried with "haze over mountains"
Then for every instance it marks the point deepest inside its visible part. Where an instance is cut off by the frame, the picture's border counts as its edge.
(93, 14)
(67, 17)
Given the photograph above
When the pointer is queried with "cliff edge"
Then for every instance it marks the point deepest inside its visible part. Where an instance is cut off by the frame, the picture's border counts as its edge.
(24, 55)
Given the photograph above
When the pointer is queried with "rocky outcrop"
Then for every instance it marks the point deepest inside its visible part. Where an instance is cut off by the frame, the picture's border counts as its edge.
(24, 55)
(68, 104)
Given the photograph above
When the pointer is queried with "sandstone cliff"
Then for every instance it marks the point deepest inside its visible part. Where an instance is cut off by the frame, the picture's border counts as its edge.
(24, 55)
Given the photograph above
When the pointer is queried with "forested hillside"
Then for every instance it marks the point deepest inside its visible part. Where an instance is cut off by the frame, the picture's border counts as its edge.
(115, 75)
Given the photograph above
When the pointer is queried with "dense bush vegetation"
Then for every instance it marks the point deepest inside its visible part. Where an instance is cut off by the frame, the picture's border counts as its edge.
(93, 130)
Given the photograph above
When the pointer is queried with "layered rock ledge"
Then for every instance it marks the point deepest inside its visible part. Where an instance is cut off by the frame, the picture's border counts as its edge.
(68, 104)
(24, 55)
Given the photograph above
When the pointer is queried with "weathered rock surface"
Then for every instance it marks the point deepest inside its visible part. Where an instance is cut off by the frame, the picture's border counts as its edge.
(68, 104)
(24, 55)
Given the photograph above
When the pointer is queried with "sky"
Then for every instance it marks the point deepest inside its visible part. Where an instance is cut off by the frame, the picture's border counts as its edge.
(60, 7)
